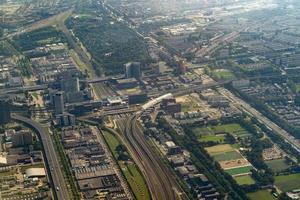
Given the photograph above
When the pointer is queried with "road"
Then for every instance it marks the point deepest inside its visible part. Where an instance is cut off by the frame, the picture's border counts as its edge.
(22, 89)
(160, 180)
(245, 106)
(60, 187)
(53, 20)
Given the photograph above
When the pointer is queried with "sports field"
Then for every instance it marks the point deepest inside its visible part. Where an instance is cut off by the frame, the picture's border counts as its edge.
(212, 138)
(261, 195)
(233, 129)
(239, 170)
(278, 165)
(231, 155)
(222, 148)
(288, 182)
(244, 180)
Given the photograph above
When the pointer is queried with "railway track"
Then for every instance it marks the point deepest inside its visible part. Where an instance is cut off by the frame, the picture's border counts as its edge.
(160, 180)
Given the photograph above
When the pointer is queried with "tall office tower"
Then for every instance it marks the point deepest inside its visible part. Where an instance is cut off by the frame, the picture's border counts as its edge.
(59, 106)
(133, 70)
(4, 111)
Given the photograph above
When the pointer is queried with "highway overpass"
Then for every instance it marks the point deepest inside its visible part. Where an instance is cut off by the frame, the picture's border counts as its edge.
(53, 165)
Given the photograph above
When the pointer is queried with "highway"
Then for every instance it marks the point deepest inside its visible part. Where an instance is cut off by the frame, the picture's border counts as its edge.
(245, 106)
(60, 187)
(160, 180)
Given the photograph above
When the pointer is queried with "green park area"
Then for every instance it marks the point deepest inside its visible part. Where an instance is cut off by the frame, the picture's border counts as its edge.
(261, 195)
(239, 170)
(216, 133)
(231, 155)
(244, 180)
(278, 165)
(222, 74)
(98, 35)
(288, 182)
(212, 138)
(131, 172)
(37, 38)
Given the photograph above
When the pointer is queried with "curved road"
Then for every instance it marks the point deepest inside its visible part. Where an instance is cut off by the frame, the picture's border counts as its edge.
(160, 180)
(60, 187)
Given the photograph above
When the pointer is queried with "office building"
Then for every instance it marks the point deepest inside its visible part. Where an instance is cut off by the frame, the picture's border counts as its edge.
(66, 119)
(69, 81)
(127, 83)
(133, 70)
(59, 106)
(22, 138)
(181, 67)
(5, 111)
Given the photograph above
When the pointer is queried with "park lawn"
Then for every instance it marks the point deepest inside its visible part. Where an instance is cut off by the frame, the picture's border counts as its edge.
(231, 155)
(288, 182)
(261, 195)
(212, 138)
(239, 170)
(234, 129)
(203, 131)
(244, 180)
(136, 181)
(223, 74)
(278, 165)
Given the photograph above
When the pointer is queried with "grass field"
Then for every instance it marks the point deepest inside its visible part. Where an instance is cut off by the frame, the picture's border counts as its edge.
(231, 155)
(112, 142)
(131, 172)
(136, 181)
(234, 129)
(212, 138)
(223, 74)
(82, 66)
(278, 165)
(261, 195)
(244, 180)
(239, 170)
(288, 182)
(221, 148)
